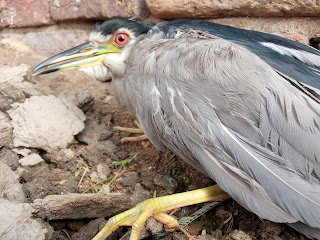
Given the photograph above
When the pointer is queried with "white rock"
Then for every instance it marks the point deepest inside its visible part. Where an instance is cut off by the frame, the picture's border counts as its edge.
(31, 160)
(10, 188)
(45, 122)
(23, 152)
(5, 129)
(238, 235)
(13, 74)
(105, 189)
(14, 78)
(94, 177)
(16, 222)
(20, 171)
(103, 171)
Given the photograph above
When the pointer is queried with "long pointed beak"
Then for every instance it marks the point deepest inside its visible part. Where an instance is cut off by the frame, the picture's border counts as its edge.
(86, 55)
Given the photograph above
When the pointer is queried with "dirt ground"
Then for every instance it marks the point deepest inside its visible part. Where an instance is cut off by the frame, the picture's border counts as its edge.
(95, 163)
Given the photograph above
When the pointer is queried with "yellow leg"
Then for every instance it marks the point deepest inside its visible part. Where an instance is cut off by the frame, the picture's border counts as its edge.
(155, 207)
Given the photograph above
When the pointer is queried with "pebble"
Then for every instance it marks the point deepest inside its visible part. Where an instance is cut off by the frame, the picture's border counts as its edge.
(131, 179)
(105, 189)
(93, 132)
(31, 160)
(167, 182)
(23, 152)
(139, 194)
(238, 235)
(103, 171)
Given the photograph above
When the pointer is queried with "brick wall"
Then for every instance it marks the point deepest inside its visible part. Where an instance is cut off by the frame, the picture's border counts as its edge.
(297, 19)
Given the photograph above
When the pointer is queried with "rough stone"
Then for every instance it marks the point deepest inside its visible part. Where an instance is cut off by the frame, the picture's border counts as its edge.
(76, 224)
(5, 129)
(272, 228)
(11, 84)
(106, 146)
(62, 156)
(169, 9)
(85, 100)
(16, 222)
(52, 40)
(305, 27)
(91, 155)
(41, 184)
(9, 94)
(62, 10)
(94, 177)
(139, 194)
(131, 179)
(14, 13)
(238, 235)
(194, 228)
(75, 206)
(31, 160)
(9, 158)
(10, 188)
(23, 152)
(206, 237)
(13, 87)
(86, 232)
(298, 38)
(103, 171)
(167, 182)
(94, 132)
(46, 122)
(105, 189)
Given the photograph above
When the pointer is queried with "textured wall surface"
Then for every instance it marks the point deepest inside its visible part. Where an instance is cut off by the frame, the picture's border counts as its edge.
(297, 19)
(22, 13)
(168, 9)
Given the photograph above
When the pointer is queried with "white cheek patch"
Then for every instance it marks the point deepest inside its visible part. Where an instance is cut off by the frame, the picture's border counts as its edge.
(98, 72)
(306, 57)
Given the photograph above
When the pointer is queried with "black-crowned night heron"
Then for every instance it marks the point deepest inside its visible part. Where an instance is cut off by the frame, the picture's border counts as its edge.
(241, 106)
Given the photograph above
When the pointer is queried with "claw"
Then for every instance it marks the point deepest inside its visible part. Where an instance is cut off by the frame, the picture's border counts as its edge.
(155, 207)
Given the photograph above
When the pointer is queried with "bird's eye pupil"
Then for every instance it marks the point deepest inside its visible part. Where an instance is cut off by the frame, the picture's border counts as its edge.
(121, 38)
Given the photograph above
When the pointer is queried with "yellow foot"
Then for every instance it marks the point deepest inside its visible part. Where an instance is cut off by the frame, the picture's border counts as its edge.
(155, 207)
(132, 130)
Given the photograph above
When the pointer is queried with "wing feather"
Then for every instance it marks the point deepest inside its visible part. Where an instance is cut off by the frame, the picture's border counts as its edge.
(233, 116)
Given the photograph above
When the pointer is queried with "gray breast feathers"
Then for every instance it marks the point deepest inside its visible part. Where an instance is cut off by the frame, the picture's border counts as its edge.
(229, 114)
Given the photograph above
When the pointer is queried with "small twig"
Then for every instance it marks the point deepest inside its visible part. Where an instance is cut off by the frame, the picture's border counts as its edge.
(65, 231)
(182, 230)
(229, 219)
(35, 173)
(103, 180)
(84, 173)
(118, 174)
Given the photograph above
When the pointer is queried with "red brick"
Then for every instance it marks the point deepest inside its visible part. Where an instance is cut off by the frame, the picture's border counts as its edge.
(96, 9)
(21, 13)
(168, 9)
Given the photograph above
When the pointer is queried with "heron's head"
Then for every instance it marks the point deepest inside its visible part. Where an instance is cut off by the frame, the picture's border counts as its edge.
(105, 55)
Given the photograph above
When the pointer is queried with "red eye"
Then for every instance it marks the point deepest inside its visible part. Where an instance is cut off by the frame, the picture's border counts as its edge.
(121, 39)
